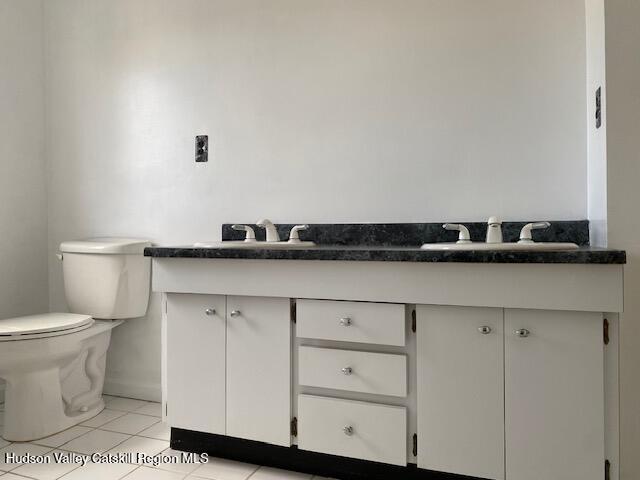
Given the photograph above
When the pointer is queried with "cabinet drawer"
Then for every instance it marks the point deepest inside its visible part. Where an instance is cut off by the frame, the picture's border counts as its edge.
(379, 373)
(362, 322)
(348, 428)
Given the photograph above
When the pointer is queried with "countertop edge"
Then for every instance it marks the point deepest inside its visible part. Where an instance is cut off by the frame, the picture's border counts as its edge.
(580, 256)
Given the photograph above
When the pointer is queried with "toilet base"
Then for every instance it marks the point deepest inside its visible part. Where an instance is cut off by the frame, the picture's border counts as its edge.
(35, 429)
(35, 409)
(53, 383)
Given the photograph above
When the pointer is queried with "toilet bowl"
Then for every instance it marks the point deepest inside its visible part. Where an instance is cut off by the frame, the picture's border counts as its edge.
(54, 363)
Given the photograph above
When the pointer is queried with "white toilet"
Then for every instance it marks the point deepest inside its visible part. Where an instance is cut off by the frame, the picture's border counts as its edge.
(54, 363)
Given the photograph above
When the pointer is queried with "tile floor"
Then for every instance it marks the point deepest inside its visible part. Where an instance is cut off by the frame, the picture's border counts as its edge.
(126, 425)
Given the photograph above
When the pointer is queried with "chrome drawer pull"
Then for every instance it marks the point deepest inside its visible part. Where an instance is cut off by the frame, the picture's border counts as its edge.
(345, 322)
(485, 330)
(347, 370)
(348, 430)
(235, 313)
(522, 333)
(210, 311)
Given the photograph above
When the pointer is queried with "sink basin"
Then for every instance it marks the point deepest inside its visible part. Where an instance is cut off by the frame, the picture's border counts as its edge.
(255, 245)
(522, 247)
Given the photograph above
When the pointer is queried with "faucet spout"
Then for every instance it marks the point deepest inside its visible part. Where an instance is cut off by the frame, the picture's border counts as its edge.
(270, 229)
(494, 230)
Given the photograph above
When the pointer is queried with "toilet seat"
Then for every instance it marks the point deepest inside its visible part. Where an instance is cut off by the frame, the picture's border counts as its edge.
(42, 326)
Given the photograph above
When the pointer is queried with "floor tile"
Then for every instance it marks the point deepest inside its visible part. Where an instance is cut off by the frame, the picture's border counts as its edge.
(2, 417)
(146, 473)
(222, 469)
(100, 471)
(20, 449)
(266, 473)
(3, 443)
(160, 431)
(130, 423)
(103, 417)
(181, 465)
(62, 437)
(50, 471)
(125, 404)
(151, 408)
(11, 476)
(108, 398)
(141, 445)
(96, 441)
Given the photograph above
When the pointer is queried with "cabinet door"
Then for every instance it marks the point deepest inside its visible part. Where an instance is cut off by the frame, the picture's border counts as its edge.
(554, 395)
(259, 369)
(196, 362)
(460, 390)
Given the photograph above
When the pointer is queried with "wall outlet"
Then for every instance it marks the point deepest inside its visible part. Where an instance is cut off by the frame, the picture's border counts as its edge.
(202, 148)
(599, 107)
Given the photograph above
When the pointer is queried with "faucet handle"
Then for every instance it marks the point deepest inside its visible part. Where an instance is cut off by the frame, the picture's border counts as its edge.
(294, 236)
(463, 236)
(250, 236)
(525, 233)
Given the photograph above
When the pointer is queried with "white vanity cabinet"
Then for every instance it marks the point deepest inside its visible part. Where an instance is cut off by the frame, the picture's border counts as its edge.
(259, 369)
(228, 365)
(460, 390)
(510, 393)
(492, 371)
(196, 362)
(554, 395)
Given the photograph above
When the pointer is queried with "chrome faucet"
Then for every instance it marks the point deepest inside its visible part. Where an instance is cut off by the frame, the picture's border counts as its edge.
(494, 230)
(270, 228)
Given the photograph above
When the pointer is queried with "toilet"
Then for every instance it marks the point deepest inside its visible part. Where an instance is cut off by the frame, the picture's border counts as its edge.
(54, 363)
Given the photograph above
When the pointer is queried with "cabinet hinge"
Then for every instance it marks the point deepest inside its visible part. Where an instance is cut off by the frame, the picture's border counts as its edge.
(605, 331)
(415, 444)
(293, 311)
(166, 409)
(607, 470)
(413, 321)
(294, 427)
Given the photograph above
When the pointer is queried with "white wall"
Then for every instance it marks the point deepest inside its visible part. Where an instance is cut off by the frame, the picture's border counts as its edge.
(332, 111)
(23, 221)
(623, 173)
(596, 137)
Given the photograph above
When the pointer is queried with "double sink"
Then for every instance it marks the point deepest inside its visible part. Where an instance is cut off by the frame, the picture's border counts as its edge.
(493, 239)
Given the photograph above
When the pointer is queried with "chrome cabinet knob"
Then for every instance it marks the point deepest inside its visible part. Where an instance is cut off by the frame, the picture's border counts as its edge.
(347, 370)
(348, 430)
(522, 333)
(210, 311)
(235, 313)
(485, 330)
(345, 322)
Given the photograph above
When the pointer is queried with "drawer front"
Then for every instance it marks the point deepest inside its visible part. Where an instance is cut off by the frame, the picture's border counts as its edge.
(379, 373)
(362, 322)
(348, 428)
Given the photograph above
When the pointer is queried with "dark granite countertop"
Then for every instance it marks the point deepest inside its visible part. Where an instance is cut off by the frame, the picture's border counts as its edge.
(583, 255)
(399, 242)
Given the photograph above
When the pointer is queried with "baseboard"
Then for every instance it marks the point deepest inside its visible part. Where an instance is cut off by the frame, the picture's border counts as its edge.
(142, 391)
(291, 458)
(149, 391)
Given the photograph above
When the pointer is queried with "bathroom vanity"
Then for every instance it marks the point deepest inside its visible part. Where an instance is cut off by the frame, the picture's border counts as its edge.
(395, 362)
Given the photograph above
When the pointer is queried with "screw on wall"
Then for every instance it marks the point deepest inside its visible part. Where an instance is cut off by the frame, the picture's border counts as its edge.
(202, 148)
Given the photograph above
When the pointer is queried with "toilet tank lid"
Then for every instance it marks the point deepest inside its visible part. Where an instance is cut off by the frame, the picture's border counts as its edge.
(106, 245)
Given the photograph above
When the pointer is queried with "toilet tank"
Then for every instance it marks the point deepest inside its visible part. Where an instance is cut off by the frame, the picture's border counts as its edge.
(107, 278)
